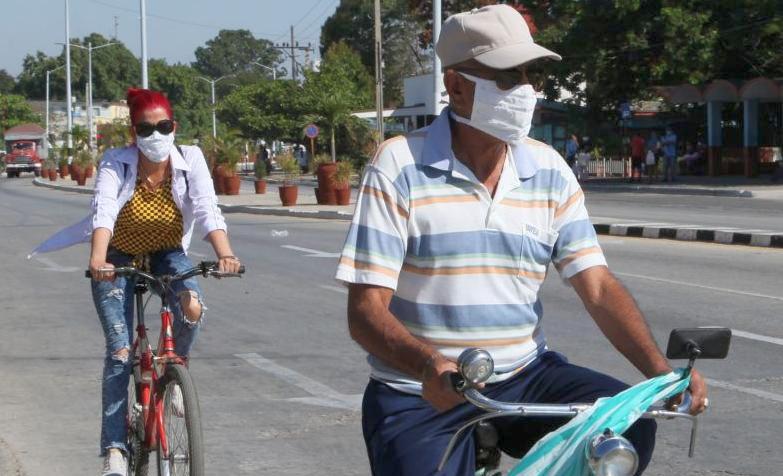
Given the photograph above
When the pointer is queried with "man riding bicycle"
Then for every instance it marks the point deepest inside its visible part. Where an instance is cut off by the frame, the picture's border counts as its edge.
(453, 233)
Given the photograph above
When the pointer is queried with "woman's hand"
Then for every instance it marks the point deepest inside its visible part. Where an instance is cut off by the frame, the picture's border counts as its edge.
(228, 264)
(101, 270)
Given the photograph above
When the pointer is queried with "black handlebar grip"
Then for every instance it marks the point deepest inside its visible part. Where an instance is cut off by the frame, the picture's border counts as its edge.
(241, 269)
(88, 274)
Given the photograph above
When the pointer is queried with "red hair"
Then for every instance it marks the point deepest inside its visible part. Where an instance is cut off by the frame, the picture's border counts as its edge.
(140, 100)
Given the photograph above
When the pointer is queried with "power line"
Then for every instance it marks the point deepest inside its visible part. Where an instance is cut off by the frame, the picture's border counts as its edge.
(308, 12)
(329, 6)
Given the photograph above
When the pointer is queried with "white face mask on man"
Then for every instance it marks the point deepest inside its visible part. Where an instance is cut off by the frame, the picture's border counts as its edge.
(155, 147)
(504, 114)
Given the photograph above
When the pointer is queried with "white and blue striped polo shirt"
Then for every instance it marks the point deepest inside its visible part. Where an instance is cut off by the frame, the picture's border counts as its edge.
(466, 267)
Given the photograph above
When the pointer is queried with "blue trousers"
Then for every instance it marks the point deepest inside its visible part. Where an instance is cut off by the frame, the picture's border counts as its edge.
(406, 436)
(114, 301)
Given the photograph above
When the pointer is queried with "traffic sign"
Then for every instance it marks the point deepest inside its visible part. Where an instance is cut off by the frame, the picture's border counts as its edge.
(311, 131)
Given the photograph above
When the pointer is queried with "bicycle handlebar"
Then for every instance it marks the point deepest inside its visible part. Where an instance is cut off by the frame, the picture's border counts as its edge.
(205, 269)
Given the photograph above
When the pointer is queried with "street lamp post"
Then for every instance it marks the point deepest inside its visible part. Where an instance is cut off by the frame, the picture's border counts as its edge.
(437, 74)
(47, 97)
(378, 72)
(274, 73)
(90, 49)
(144, 77)
(69, 112)
(212, 83)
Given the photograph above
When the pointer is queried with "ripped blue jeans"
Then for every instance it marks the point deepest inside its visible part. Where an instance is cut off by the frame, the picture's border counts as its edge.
(114, 301)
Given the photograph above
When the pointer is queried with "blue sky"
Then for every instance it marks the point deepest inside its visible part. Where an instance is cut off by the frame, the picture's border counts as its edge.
(175, 28)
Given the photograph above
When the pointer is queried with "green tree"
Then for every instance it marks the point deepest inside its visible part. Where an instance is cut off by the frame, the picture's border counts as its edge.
(14, 110)
(189, 97)
(353, 23)
(232, 52)
(341, 87)
(7, 82)
(114, 69)
(271, 110)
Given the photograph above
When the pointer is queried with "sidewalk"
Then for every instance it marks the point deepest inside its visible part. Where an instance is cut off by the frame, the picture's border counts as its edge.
(725, 186)
(269, 204)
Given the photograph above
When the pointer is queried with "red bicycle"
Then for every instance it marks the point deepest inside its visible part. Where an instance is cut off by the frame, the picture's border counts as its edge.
(163, 409)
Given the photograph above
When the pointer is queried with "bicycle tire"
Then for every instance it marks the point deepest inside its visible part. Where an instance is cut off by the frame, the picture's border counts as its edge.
(138, 456)
(193, 465)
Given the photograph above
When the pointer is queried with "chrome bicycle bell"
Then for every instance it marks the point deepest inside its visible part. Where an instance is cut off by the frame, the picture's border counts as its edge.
(475, 365)
(612, 455)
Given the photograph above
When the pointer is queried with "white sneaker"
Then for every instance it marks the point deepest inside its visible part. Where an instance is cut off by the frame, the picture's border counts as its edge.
(115, 464)
(177, 404)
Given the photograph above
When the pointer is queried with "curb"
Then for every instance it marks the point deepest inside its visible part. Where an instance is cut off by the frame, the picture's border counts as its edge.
(287, 212)
(706, 235)
(715, 192)
(253, 210)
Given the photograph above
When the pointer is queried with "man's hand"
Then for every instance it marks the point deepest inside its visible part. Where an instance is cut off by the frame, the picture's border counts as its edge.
(436, 384)
(698, 389)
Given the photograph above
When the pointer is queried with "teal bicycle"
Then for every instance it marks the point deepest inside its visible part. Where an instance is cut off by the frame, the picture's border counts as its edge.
(604, 452)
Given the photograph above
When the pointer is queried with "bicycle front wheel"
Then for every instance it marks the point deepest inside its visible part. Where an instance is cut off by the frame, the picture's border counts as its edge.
(181, 424)
(138, 455)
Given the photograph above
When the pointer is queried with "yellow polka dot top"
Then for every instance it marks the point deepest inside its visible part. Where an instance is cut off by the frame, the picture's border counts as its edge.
(150, 221)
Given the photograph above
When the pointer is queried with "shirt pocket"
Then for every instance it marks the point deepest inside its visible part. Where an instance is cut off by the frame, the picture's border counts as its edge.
(536, 252)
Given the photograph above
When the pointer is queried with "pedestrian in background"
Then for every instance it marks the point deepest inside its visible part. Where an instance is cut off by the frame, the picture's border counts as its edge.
(572, 147)
(669, 143)
(637, 156)
(653, 146)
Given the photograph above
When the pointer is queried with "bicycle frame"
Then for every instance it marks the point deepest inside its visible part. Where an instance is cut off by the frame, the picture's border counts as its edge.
(153, 366)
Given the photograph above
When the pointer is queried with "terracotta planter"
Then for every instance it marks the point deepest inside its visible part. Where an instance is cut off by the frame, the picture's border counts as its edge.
(79, 175)
(288, 194)
(63, 170)
(343, 194)
(75, 172)
(231, 185)
(53, 175)
(217, 179)
(325, 175)
(88, 171)
(260, 186)
(70, 169)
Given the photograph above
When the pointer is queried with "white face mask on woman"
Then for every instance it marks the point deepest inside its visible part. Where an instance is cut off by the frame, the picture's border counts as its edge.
(506, 115)
(155, 147)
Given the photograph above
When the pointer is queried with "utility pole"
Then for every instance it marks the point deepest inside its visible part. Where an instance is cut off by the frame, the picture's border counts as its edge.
(437, 74)
(378, 72)
(291, 49)
(69, 112)
(47, 97)
(116, 26)
(144, 78)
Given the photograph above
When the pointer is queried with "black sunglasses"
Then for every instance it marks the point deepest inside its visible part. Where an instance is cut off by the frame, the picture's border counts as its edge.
(145, 129)
(510, 78)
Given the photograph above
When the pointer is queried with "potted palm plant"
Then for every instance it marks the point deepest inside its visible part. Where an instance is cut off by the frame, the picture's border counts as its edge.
(51, 166)
(289, 190)
(260, 172)
(82, 161)
(342, 182)
(231, 155)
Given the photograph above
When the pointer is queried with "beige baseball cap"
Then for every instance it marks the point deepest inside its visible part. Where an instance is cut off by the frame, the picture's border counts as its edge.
(496, 36)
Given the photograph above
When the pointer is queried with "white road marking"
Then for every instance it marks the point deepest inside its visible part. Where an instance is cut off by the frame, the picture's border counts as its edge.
(701, 286)
(750, 391)
(51, 265)
(311, 253)
(336, 289)
(758, 337)
(322, 395)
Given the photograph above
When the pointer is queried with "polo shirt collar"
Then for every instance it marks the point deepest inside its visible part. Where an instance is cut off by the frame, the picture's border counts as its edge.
(437, 151)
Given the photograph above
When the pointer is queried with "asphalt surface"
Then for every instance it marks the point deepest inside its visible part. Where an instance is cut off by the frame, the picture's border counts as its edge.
(279, 378)
(706, 211)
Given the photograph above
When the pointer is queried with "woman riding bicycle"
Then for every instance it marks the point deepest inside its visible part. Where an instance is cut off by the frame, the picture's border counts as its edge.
(148, 199)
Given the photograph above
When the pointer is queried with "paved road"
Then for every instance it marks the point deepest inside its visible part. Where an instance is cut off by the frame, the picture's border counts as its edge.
(278, 377)
(706, 211)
